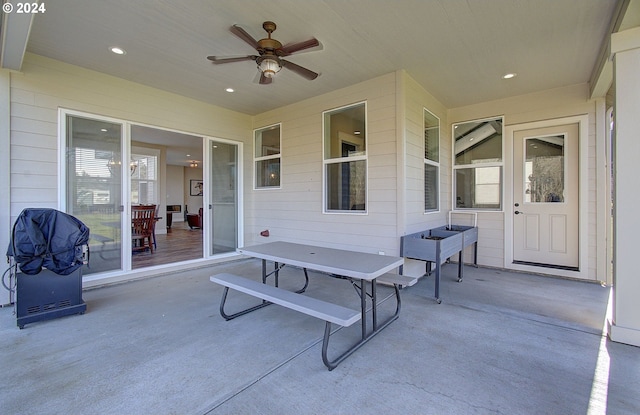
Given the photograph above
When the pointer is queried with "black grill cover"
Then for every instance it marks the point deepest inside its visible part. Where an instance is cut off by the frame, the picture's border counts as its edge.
(48, 238)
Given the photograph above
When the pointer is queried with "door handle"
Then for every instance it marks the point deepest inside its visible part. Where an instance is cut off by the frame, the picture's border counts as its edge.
(517, 212)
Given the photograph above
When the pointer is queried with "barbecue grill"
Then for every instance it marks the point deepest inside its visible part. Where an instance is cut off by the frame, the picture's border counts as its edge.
(47, 252)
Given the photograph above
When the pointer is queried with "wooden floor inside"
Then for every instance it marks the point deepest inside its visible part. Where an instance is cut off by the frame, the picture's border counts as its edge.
(179, 244)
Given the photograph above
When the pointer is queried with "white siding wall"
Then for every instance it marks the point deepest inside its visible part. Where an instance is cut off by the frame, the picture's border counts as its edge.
(545, 105)
(5, 166)
(45, 85)
(417, 99)
(294, 212)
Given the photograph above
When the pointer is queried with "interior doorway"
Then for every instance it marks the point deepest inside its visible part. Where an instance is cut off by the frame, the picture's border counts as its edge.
(167, 168)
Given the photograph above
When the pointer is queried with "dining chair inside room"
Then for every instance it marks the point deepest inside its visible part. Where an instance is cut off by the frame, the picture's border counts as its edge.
(142, 226)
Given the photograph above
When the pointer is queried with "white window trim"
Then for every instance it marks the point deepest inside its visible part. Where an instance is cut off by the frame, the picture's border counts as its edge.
(263, 158)
(339, 160)
(432, 163)
(454, 167)
(154, 152)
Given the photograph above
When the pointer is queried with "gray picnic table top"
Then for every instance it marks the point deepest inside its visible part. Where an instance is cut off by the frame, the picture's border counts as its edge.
(360, 265)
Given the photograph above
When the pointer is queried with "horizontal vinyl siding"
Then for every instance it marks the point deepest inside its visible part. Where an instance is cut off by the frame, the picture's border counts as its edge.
(46, 85)
(295, 211)
(34, 153)
(544, 105)
(417, 99)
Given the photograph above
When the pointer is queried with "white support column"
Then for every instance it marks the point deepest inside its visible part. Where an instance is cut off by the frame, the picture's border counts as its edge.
(5, 162)
(625, 48)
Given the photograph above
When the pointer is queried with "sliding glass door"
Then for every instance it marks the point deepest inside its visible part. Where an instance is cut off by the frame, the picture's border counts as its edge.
(223, 197)
(109, 166)
(94, 170)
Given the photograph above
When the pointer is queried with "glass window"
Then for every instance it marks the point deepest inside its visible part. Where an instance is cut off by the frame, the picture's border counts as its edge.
(93, 180)
(345, 159)
(431, 161)
(144, 176)
(267, 156)
(544, 169)
(478, 164)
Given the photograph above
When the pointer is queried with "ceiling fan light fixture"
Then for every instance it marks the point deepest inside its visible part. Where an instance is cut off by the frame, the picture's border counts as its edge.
(269, 67)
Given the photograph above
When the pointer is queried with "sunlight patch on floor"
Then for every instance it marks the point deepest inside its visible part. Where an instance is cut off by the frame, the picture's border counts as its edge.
(600, 386)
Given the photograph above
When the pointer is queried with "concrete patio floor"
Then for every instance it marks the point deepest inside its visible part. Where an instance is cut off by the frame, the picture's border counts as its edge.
(500, 343)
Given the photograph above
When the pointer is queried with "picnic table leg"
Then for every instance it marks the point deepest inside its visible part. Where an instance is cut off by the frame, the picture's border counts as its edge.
(332, 364)
(374, 302)
(239, 313)
(306, 282)
(363, 306)
(437, 289)
(276, 269)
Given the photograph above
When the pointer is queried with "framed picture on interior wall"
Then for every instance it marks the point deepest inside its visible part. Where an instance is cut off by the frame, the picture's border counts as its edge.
(196, 187)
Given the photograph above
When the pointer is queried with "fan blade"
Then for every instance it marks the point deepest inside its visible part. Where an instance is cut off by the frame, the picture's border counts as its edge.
(216, 59)
(242, 34)
(297, 47)
(304, 72)
(264, 80)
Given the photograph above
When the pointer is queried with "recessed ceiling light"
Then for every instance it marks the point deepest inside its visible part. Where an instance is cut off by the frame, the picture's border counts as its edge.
(508, 76)
(104, 130)
(229, 90)
(117, 50)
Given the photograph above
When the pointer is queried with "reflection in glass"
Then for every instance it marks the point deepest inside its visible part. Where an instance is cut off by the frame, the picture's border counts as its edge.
(94, 172)
(478, 142)
(267, 156)
(544, 169)
(346, 185)
(431, 137)
(267, 141)
(224, 184)
(431, 160)
(478, 188)
(345, 127)
(345, 152)
(478, 164)
(430, 187)
(268, 173)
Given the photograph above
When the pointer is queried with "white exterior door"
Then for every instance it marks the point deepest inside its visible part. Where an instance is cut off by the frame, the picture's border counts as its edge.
(546, 197)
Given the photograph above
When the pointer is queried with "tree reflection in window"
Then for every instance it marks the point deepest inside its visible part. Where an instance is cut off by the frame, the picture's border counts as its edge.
(544, 169)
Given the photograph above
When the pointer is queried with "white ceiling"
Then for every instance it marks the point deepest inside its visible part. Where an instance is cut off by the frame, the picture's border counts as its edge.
(457, 49)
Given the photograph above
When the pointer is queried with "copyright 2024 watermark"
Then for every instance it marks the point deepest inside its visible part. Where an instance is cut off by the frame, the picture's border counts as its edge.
(24, 8)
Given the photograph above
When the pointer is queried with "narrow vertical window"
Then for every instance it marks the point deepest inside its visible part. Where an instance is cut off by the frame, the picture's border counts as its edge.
(431, 162)
(345, 159)
(267, 157)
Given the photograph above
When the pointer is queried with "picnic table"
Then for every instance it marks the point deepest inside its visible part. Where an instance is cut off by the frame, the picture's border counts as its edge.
(363, 270)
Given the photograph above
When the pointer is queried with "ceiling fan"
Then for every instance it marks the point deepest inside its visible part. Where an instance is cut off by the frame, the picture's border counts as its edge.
(270, 53)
